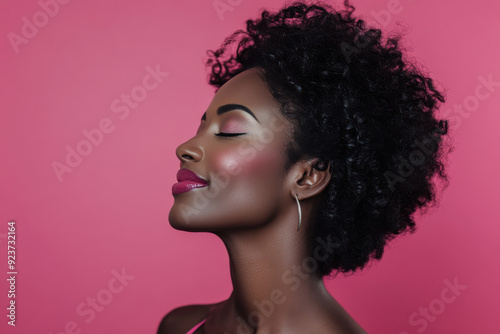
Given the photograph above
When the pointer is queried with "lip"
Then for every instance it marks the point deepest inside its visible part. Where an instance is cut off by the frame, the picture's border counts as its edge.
(187, 180)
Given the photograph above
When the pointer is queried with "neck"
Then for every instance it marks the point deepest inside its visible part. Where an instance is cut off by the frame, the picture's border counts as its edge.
(271, 277)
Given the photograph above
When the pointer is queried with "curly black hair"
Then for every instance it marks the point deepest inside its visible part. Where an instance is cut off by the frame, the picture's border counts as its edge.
(357, 104)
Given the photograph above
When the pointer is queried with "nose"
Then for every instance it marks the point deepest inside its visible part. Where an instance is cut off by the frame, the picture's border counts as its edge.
(190, 150)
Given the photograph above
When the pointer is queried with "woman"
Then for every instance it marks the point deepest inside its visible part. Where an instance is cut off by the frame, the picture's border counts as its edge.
(318, 146)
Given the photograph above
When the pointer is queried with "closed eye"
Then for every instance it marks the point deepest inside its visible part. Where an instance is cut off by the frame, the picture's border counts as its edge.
(224, 134)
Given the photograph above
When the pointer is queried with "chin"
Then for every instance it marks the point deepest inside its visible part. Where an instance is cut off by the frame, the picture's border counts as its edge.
(176, 220)
(183, 220)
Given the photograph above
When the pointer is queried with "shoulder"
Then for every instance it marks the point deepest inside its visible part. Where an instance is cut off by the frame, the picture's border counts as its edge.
(183, 318)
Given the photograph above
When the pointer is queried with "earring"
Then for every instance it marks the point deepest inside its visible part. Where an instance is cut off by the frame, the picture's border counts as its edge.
(300, 212)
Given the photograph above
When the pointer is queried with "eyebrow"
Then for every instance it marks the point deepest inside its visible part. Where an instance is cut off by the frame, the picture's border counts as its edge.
(229, 107)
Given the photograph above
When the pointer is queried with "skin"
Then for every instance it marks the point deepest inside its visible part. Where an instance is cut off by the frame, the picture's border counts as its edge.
(255, 215)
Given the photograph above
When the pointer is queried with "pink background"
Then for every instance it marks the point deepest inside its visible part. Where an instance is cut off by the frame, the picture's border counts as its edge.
(110, 212)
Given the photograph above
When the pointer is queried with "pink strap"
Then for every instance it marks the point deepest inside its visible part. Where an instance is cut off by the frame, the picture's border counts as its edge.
(192, 330)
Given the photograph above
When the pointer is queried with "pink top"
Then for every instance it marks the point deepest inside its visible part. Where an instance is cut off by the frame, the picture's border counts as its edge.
(192, 330)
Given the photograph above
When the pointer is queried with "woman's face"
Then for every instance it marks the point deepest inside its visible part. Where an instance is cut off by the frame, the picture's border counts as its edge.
(239, 149)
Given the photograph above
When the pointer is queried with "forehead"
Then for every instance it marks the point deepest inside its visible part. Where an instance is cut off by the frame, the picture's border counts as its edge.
(247, 88)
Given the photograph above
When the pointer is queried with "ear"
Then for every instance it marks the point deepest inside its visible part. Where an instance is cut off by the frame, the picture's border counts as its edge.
(309, 177)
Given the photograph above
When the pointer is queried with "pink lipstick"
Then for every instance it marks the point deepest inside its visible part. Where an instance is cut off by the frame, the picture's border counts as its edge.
(187, 180)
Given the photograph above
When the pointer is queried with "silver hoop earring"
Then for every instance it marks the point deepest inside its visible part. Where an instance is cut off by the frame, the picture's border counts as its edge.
(300, 212)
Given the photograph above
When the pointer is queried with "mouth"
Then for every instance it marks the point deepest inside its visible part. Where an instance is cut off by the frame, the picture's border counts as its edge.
(187, 180)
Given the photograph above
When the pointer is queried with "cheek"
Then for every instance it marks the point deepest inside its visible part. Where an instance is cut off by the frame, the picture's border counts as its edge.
(249, 164)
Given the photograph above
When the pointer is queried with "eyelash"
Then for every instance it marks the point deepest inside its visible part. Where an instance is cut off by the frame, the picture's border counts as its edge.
(224, 134)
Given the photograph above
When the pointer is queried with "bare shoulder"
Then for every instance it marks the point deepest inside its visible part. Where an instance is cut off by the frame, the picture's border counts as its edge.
(183, 318)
